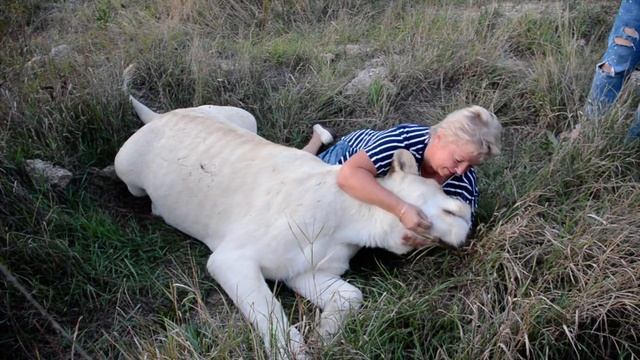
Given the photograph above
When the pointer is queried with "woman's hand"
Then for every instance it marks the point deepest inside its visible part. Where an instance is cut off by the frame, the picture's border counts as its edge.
(417, 225)
(356, 177)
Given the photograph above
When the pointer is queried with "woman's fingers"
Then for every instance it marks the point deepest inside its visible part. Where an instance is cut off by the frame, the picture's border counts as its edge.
(426, 220)
(416, 222)
(413, 239)
(418, 227)
(425, 224)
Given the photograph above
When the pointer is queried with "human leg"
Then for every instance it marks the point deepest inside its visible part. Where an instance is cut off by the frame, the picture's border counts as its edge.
(320, 137)
(619, 60)
(335, 153)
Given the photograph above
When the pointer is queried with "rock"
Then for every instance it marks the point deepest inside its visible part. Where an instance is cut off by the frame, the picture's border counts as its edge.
(54, 175)
(514, 9)
(109, 172)
(378, 62)
(60, 52)
(364, 79)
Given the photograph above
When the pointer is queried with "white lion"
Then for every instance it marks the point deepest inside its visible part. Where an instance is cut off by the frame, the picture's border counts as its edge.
(271, 211)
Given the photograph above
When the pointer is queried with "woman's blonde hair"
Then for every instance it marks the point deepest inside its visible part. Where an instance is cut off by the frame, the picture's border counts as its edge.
(473, 124)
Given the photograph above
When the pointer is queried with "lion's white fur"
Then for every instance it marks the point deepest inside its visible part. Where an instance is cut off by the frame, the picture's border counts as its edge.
(270, 211)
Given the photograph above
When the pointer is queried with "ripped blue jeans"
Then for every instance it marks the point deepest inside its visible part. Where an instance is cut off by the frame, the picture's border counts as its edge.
(620, 59)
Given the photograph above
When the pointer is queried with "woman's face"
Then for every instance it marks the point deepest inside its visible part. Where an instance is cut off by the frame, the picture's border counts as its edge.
(448, 157)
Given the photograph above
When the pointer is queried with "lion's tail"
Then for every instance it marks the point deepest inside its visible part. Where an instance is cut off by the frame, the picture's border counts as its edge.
(144, 113)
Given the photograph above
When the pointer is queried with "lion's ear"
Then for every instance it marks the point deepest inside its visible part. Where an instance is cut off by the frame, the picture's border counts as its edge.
(404, 161)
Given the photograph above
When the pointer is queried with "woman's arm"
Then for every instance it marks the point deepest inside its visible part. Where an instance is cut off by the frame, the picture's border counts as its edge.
(356, 177)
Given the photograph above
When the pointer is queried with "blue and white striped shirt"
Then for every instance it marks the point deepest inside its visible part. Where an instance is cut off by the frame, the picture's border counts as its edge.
(381, 145)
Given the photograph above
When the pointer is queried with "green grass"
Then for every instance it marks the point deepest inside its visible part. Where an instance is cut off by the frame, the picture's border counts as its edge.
(550, 273)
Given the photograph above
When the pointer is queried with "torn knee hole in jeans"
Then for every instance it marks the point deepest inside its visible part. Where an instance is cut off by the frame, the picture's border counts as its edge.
(606, 68)
(630, 32)
(622, 41)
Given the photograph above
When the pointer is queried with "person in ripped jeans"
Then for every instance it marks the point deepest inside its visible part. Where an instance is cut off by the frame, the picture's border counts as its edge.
(618, 62)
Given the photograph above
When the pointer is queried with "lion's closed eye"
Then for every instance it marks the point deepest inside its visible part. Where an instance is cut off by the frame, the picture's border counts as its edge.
(449, 212)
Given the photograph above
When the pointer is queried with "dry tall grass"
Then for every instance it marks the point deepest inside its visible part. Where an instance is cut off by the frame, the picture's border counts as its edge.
(552, 271)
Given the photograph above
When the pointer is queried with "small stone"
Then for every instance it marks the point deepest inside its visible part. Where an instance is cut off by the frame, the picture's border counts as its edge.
(54, 175)
(364, 79)
(60, 51)
(109, 172)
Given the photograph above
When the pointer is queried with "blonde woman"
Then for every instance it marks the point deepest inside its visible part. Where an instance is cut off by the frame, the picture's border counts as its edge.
(446, 152)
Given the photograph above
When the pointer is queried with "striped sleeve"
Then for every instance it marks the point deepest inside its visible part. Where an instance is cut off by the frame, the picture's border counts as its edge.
(381, 154)
(383, 145)
(464, 187)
